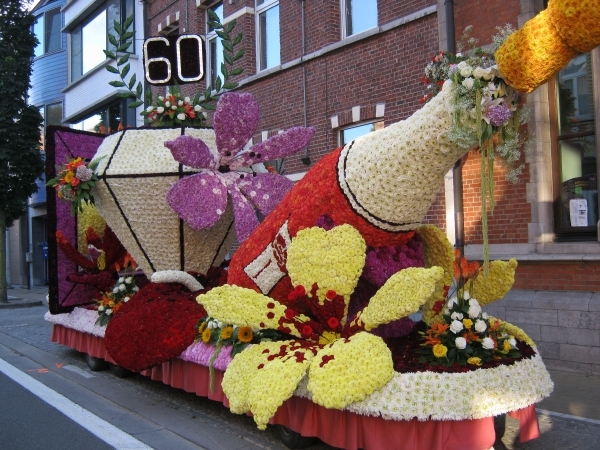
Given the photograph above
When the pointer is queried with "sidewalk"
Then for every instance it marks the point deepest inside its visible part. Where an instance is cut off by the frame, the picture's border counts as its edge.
(25, 298)
(576, 395)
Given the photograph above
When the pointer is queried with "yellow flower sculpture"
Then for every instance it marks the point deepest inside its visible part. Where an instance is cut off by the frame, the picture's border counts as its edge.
(88, 217)
(546, 43)
(496, 284)
(343, 361)
(438, 252)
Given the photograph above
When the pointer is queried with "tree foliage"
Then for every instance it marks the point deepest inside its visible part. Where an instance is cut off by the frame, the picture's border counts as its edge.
(20, 158)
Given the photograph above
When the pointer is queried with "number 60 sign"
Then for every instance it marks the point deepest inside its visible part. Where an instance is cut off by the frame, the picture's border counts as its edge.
(173, 59)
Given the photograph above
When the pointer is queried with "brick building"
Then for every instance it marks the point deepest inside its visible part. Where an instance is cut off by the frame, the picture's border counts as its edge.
(347, 67)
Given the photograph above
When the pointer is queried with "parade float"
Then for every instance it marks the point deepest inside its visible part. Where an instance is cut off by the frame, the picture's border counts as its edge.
(311, 325)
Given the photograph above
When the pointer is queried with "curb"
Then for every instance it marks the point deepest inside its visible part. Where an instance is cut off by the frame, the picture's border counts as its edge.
(20, 303)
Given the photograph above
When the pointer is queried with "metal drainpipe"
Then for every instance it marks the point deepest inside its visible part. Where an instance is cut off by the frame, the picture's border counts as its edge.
(306, 159)
(459, 224)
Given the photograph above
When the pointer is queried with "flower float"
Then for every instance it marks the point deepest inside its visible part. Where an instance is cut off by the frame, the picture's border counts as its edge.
(201, 199)
(546, 43)
(344, 362)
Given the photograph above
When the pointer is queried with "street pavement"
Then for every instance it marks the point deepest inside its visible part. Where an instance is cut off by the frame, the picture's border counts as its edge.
(569, 419)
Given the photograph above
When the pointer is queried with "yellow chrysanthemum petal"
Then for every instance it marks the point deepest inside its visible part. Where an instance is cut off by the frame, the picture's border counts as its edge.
(275, 383)
(530, 56)
(401, 295)
(334, 259)
(348, 370)
(500, 279)
(577, 21)
(438, 251)
(242, 372)
(89, 217)
(244, 307)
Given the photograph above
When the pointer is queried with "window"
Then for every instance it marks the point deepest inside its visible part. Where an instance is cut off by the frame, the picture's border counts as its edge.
(52, 115)
(576, 189)
(267, 36)
(106, 120)
(47, 30)
(349, 134)
(358, 15)
(90, 38)
(215, 48)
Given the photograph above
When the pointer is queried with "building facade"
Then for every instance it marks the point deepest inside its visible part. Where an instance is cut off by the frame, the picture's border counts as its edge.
(91, 104)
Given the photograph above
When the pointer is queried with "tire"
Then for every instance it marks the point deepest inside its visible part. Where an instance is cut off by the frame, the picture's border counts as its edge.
(95, 364)
(293, 440)
(119, 371)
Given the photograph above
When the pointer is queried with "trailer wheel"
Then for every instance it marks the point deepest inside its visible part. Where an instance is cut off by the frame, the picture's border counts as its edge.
(119, 371)
(95, 364)
(293, 440)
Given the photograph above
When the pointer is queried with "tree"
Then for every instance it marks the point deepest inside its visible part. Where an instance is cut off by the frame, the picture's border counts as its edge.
(21, 162)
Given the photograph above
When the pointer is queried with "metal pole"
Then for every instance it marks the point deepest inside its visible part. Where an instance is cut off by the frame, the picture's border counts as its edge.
(459, 229)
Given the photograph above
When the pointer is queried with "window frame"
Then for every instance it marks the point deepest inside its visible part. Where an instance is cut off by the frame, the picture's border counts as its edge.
(43, 38)
(344, 19)
(377, 123)
(569, 233)
(211, 36)
(124, 7)
(262, 9)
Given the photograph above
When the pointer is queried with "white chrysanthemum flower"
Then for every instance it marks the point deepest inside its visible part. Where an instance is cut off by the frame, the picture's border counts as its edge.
(456, 326)
(456, 316)
(186, 99)
(122, 287)
(466, 295)
(160, 110)
(100, 308)
(167, 104)
(115, 290)
(460, 342)
(126, 299)
(181, 116)
(474, 311)
(180, 103)
(197, 108)
(150, 109)
(480, 326)
(108, 312)
(488, 343)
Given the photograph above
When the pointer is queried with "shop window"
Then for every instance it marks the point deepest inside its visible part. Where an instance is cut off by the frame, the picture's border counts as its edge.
(89, 39)
(214, 48)
(576, 151)
(47, 30)
(358, 15)
(267, 25)
(351, 133)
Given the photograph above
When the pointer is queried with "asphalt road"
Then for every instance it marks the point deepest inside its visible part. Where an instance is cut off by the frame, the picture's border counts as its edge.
(160, 416)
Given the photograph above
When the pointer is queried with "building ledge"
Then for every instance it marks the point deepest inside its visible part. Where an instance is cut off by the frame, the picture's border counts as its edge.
(551, 252)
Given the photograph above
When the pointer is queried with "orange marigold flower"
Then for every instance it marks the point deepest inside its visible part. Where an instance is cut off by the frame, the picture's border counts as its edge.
(245, 334)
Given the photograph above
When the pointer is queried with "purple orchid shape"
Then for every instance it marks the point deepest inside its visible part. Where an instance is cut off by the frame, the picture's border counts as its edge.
(201, 199)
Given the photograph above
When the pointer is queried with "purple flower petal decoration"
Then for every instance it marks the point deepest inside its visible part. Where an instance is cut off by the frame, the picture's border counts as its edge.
(236, 119)
(192, 152)
(264, 190)
(199, 199)
(245, 216)
(278, 146)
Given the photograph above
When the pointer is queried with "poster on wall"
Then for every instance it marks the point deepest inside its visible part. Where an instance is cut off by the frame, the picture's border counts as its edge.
(578, 209)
